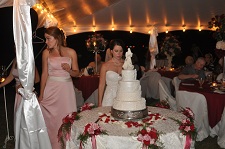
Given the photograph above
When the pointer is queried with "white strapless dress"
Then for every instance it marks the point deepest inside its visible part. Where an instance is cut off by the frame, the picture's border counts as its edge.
(112, 79)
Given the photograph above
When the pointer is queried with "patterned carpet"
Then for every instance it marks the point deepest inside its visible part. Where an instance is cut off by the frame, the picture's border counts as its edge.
(208, 143)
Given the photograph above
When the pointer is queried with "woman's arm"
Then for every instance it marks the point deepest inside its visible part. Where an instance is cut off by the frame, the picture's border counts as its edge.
(44, 74)
(10, 76)
(37, 76)
(102, 83)
(74, 71)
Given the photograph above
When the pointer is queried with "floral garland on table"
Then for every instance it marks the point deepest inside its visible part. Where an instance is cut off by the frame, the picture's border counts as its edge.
(87, 106)
(96, 42)
(150, 138)
(187, 127)
(65, 128)
(163, 104)
(170, 46)
(90, 131)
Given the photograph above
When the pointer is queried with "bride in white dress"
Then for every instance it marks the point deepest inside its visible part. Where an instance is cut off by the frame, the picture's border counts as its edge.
(110, 74)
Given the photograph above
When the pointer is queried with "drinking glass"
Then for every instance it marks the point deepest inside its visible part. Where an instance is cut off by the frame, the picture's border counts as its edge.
(201, 81)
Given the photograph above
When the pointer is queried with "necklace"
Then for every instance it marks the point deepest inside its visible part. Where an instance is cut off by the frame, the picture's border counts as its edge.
(116, 63)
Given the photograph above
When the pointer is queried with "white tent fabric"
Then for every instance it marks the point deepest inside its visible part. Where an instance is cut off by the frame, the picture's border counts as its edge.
(153, 47)
(140, 16)
(30, 129)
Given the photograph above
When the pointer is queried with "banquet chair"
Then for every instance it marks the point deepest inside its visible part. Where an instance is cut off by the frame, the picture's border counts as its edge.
(197, 103)
(219, 77)
(176, 82)
(79, 98)
(219, 130)
(93, 98)
(221, 134)
(150, 84)
(164, 94)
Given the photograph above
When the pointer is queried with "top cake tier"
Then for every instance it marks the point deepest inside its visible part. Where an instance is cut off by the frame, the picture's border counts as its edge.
(129, 75)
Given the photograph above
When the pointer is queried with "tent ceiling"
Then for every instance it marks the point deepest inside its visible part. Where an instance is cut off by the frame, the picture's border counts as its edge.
(138, 15)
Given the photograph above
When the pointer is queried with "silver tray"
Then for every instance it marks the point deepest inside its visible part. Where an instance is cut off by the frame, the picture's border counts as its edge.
(129, 115)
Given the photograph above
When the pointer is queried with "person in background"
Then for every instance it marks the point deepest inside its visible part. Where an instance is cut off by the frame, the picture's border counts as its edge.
(137, 66)
(209, 66)
(59, 64)
(108, 55)
(219, 67)
(189, 60)
(14, 74)
(110, 74)
(99, 63)
(195, 71)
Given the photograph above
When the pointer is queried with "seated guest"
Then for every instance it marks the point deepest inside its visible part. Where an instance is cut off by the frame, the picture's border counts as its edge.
(99, 63)
(219, 67)
(209, 66)
(189, 60)
(195, 71)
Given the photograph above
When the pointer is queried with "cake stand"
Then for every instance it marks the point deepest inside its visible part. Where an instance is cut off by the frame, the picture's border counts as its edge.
(129, 115)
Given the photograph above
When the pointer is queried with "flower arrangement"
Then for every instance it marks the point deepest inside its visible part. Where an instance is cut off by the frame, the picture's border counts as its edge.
(87, 106)
(150, 137)
(218, 23)
(90, 131)
(65, 128)
(186, 126)
(96, 42)
(163, 104)
(170, 46)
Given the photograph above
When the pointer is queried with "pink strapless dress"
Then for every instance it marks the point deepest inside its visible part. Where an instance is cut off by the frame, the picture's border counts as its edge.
(59, 97)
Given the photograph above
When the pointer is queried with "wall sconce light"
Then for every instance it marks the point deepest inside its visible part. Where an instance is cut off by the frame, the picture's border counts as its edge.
(167, 31)
(184, 29)
(74, 29)
(112, 28)
(149, 32)
(93, 28)
(131, 31)
(200, 28)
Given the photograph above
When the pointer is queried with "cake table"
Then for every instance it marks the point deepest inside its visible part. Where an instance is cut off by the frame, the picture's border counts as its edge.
(119, 137)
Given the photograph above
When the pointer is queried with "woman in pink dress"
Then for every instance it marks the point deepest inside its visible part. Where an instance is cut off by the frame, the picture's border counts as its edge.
(57, 96)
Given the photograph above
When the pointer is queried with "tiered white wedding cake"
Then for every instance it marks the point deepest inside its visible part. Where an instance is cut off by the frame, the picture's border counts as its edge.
(128, 103)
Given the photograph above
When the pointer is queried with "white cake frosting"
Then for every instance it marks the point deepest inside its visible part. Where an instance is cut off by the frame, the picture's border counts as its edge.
(129, 93)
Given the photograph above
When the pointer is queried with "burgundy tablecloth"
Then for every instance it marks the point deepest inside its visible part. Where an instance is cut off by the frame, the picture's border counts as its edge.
(168, 74)
(87, 84)
(215, 101)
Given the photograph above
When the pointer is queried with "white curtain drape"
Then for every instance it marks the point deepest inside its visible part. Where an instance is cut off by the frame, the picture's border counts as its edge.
(153, 46)
(30, 130)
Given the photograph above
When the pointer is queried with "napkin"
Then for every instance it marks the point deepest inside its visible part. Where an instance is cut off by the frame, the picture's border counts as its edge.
(219, 91)
(188, 84)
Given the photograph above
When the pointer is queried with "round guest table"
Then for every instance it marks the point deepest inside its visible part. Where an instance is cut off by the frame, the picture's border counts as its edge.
(86, 84)
(169, 74)
(119, 136)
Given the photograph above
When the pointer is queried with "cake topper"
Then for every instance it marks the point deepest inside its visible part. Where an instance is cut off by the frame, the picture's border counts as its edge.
(128, 63)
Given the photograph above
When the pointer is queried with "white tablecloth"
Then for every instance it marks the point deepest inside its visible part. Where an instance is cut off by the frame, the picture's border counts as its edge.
(119, 138)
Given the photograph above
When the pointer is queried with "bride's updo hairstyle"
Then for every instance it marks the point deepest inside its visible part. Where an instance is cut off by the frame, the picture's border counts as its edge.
(58, 35)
